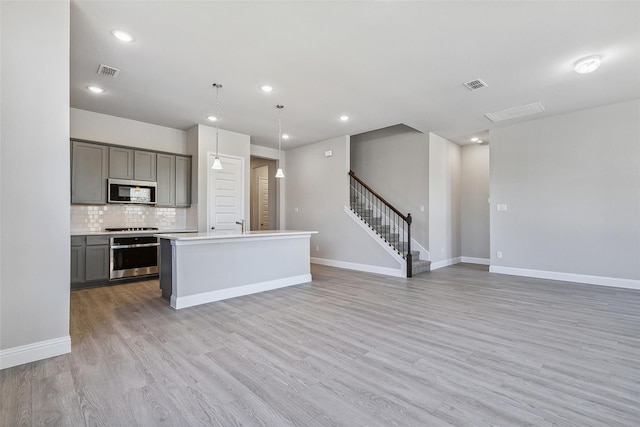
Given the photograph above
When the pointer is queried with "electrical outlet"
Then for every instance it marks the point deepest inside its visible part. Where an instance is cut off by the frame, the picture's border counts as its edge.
(317, 248)
(296, 210)
(421, 208)
(441, 250)
(499, 254)
(501, 207)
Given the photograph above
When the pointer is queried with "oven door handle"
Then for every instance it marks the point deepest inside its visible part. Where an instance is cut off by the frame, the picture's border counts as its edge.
(144, 245)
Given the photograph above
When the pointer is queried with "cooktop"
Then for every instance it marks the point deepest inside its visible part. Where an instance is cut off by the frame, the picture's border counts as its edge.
(130, 228)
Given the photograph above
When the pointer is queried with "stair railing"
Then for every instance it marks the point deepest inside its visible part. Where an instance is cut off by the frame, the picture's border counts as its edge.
(371, 207)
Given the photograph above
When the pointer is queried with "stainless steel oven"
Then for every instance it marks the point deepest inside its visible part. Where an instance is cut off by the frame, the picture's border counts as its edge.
(133, 256)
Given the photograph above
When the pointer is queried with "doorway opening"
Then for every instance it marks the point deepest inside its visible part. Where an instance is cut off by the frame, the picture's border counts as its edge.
(264, 195)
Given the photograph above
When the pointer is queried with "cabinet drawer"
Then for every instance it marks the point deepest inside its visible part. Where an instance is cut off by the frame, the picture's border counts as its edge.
(97, 240)
(77, 240)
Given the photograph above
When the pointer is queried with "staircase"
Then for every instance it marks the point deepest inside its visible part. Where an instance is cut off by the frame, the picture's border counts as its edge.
(387, 222)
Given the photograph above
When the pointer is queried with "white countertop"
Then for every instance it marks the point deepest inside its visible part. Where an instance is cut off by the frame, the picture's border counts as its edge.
(231, 234)
(107, 233)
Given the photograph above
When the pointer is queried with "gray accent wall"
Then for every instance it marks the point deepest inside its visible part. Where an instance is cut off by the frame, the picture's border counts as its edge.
(317, 190)
(394, 161)
(474, 201)
(34, 177)
(571, 184)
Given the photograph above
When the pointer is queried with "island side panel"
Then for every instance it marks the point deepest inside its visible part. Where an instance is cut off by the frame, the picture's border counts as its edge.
(220, 269)
(166, 268)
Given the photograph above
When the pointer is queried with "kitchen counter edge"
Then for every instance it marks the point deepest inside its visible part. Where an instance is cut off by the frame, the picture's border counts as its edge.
(110, 233)
(232, 235)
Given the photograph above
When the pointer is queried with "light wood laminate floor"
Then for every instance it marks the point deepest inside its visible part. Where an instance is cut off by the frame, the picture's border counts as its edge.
(457, 346)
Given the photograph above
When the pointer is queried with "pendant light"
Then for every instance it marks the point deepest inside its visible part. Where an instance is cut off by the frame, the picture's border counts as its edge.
(216, 160)
(279, 173)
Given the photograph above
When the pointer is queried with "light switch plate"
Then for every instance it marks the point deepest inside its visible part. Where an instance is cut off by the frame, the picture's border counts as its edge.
(328, 153)
(501, 207)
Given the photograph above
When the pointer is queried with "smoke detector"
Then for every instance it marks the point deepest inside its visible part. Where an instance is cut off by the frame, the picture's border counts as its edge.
(105, 70)
(475, 84)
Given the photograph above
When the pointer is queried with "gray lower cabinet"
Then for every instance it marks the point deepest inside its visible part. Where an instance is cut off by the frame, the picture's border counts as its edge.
(120, 163)
(89, 261)
(89, 171)
(77, 264)
(183, 181)
(166, 175)
(144, 166)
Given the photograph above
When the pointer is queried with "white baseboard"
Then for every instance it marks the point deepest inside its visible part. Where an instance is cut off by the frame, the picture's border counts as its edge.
(32, 352)
(359, 267)
(472, 260)
(222, 294)
(568, 277)
(445, 263)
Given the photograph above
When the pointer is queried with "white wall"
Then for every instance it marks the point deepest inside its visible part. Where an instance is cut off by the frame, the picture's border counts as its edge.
(474, 203)
(571, 184)
(202, 141)
(34, 181)
(116, 130)
(444, 201)
(394, 161)
(317, 190)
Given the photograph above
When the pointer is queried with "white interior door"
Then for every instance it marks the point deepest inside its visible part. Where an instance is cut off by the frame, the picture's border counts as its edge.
(263, 202)
(226, 195)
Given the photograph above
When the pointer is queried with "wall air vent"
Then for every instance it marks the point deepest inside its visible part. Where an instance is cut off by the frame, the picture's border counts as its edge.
(475, 84)
(512, 113)
(105, 70)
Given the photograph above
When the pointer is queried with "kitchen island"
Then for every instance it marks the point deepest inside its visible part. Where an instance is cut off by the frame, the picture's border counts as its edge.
(197, 268)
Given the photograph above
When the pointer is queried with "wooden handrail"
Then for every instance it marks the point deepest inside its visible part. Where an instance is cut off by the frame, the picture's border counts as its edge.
(389, 205)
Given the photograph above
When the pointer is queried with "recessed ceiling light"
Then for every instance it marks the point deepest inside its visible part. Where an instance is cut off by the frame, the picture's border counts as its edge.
(266, 88)
(95, 89)
(285, 136)
(479, 141)
(212, 118)
(588, 64)
(123, 36)
(344, 118)
(475, 139)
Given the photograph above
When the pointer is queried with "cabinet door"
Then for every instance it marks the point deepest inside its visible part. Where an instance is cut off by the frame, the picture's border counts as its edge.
(144, 166)
(89, 173)
(166, 175)
(77, 264)
(183, 181)
(97, 263)
(120, 163)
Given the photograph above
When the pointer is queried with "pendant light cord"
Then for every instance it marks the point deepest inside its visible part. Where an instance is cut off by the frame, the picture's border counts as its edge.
(217, 86)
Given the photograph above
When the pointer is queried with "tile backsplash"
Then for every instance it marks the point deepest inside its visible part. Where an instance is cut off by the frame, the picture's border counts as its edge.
(86, 218)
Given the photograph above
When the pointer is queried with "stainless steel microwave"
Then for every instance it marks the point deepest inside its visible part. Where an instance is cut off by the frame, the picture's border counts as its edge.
(129, 191)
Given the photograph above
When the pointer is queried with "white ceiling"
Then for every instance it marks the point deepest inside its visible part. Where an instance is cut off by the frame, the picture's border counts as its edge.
(381, 63)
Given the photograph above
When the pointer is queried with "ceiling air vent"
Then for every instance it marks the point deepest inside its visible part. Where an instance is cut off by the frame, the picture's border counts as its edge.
(105, 70)
(475, 84)
(512, 113)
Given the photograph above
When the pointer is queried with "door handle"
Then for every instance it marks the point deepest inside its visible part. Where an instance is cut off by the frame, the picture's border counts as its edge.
(213, 228)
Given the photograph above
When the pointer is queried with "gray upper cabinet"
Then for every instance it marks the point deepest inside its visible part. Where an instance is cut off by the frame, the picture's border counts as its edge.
(144, 166)
(93, 163)
(183, 181)
(89, 171)
(120, 163)
(166, 175)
